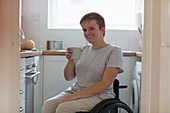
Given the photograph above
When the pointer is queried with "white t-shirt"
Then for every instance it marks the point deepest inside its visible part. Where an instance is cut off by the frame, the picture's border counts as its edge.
(90, 67)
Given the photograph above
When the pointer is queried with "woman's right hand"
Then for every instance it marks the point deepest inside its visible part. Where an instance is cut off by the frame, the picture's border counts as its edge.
(69, 54)
(69, 72)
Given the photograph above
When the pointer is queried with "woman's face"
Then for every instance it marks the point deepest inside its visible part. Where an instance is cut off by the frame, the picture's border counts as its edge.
(91, 30)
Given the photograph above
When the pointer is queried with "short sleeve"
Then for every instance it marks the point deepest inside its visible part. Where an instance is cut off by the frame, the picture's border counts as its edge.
(116, 59)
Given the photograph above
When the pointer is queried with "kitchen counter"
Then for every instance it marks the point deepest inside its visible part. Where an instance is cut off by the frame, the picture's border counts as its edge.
(63, 52)
(30, 53)
(138, 53)
(54, 52)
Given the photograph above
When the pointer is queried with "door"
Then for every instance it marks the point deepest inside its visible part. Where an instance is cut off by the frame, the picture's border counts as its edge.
(156, 57)
(9, 56)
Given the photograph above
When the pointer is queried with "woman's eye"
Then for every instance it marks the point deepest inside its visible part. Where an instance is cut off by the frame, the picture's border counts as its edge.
(91, 28)
(84, 30)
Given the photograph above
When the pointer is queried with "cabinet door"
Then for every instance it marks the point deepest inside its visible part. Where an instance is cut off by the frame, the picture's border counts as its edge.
(54, 81)
(22, 68)
(22, 85)
(38, 87)
(126, 77)
(22, 80)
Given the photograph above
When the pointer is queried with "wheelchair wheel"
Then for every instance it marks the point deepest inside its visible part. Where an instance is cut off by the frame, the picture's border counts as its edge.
(111, 105)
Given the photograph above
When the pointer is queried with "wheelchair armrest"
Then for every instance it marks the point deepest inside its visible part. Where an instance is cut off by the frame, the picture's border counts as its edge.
(122, 86)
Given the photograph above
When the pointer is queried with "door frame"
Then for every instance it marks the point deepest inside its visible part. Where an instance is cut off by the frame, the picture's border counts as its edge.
(151, 57)
(154, 98)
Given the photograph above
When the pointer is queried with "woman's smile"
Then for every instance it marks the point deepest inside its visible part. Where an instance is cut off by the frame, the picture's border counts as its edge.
(89, 37)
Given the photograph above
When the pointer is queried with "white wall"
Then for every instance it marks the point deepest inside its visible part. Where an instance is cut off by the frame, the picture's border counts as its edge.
(34, 23)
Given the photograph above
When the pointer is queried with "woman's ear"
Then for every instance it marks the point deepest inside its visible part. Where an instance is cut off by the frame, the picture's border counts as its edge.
(103, 30)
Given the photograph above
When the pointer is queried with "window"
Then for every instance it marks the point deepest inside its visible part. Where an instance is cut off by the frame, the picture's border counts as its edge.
(66, 14)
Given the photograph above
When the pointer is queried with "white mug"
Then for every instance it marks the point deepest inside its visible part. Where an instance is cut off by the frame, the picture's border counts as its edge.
(76, 53)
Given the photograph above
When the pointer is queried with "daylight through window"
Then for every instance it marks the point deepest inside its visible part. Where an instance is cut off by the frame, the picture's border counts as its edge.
(66, 14)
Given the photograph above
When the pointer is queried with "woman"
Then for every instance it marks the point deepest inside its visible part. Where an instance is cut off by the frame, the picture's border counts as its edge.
(95, 71)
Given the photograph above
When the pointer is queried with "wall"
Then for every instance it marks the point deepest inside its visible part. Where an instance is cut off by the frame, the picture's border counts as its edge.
(34, 23)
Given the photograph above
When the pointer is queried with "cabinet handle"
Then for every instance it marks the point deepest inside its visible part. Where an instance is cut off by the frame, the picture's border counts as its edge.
(21, 68)
(32, 75)
(21, 109)
(21, 92)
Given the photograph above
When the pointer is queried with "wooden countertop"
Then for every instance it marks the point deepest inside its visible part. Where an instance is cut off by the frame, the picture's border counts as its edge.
(54, 52)
(30, 53)
(63, 52)
(138, 53)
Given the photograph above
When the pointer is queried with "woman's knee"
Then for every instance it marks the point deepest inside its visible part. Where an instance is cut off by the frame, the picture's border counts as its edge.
(49, 106)
(65, 108)
(47, 103)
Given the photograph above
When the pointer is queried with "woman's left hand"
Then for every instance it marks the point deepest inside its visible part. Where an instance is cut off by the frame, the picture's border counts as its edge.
(68, 98)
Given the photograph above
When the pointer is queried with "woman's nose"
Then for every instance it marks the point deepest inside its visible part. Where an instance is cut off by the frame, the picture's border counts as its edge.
(87, 32)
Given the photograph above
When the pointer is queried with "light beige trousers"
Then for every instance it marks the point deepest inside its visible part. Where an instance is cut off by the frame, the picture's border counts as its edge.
(84, 104)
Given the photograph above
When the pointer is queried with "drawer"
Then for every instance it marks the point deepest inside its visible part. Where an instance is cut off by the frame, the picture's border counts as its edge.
(22, 107)
(22, 68)
(22, 90)
(55, 58)
(22, 62)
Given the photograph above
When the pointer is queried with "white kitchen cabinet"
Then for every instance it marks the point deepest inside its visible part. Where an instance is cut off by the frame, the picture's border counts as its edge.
(22, 85)
(38, 87)
(126, 77)
(53, 80)
(36, 91)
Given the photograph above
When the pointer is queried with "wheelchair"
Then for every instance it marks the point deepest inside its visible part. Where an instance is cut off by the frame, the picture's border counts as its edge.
(111, 105)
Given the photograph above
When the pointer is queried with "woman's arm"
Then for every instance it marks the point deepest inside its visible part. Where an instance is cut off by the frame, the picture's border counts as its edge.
(69, 70)
(109, 76)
